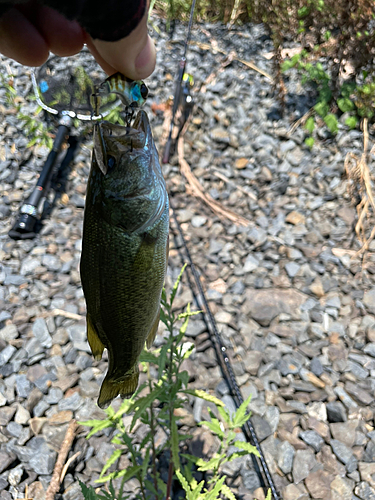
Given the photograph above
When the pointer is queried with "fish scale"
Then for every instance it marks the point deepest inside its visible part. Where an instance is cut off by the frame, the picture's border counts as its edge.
(124, 253)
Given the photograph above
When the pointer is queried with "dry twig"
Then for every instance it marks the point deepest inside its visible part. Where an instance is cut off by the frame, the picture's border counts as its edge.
(229, 181)
(359, 186)
(55, 483)
(198, 191)
(206, 46)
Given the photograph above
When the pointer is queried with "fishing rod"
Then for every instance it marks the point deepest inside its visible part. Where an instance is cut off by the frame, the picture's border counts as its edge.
(225, 363)
(178, 89)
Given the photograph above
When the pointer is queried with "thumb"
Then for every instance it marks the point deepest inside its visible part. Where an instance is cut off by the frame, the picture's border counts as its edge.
(134, 56)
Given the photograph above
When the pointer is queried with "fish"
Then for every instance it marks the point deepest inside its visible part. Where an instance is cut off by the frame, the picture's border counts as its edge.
(124, 251)
(131, 92)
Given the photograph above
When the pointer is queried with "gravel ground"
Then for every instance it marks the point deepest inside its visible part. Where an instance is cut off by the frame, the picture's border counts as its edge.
(294, 304)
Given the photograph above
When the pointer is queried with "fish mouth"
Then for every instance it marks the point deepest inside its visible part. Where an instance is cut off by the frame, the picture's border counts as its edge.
(116, 140)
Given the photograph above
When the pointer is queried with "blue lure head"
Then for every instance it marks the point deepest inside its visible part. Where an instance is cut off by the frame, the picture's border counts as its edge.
(131, 92)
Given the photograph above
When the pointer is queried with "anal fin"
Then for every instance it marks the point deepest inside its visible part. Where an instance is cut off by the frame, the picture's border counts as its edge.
(96, 345)
(152, 334)
(111, 389)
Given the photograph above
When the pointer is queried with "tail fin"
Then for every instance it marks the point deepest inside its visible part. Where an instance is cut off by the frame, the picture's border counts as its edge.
(111, 389)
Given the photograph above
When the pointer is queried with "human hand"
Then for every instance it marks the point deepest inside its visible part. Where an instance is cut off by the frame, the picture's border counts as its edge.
(28, 32)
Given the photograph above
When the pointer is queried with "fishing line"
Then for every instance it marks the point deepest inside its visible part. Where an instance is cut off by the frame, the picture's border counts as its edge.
(225, 363)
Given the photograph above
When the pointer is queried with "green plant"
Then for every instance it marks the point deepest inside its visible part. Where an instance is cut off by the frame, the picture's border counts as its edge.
(155, 406)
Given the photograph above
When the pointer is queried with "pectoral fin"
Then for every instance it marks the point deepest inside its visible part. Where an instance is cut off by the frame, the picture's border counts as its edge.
(151, 336)
(96, 345)
(100, 151)
(145, 255)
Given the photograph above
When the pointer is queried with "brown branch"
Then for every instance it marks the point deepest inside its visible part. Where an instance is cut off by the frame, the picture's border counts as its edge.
(55, 483)
(197, 190)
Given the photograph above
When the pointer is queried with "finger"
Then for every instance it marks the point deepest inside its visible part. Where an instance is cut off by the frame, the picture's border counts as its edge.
(20, 40)
(99, 59)
(63, 37)
(134, 56)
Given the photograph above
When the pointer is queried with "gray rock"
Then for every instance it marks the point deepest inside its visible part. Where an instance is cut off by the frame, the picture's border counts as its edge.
(54, 395)
(345, 398)
(251, 263)
(364, 491)
(359, 394)
(40, 408)
(369, 300)
(369, 455)
(71, 403)
(261, 426)
(23, 386)
(29, 265)
(344, 454)
(304, 462)
(14, 429)
(6, 414)
(9, 332)
(316, 367)
(41, 333)
(292, 269)
(336, 412)
(195, 328)
(285, 457)
(6, 354)
(265, 305)
(43, 460)
(6, 459)
(250, 480)
(51, 262)
(15, 475)
(313, 439)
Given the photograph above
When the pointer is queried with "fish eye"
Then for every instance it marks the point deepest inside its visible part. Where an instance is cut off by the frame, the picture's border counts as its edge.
(111, 162)
(144, 91)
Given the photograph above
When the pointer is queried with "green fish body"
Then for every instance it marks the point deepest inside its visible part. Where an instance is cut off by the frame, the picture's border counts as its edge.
(124, 251)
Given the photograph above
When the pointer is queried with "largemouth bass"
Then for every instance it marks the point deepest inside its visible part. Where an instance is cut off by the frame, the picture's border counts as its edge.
(124, 250)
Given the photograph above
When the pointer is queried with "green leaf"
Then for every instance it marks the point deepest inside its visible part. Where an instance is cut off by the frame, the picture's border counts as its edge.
(310, 124)
(332, 123)
(146, 461)
(227, 492)
(184, 377)
(345, 104)
(175, 286)
(224, 414)
(183, 482)
(321, 108)
(309, 141)
(174, 443)
(213, 494)
(148, 357)
(214, 426)
(97, 425)
(87, 492)
(243, 445)
(204, 395)
(351, 122)
(142, 403)
(126, 474)
(240, 417)
(112, 459)
(211, 464)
